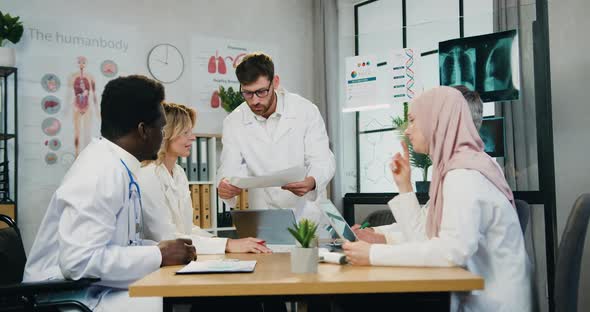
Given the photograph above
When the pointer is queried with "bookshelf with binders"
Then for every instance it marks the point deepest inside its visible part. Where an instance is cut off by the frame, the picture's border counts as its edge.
(209, 211)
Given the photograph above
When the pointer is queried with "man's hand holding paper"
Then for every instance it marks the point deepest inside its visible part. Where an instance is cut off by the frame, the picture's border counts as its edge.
(301, 188)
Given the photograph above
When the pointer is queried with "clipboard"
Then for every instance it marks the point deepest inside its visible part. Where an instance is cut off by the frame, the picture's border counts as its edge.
(218, 266)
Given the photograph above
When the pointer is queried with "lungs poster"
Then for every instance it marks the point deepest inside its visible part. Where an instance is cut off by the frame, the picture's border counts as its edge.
(213, 62)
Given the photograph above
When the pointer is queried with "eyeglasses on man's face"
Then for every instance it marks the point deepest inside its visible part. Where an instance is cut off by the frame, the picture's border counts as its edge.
(260, 93)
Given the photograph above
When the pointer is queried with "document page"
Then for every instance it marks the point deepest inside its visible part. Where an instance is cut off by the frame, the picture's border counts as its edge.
(218, 266)
(279, 178)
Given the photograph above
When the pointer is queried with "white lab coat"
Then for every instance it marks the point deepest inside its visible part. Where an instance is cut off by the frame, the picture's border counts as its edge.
(87, 228)
(168, 209)
(479, 231)
(300, 139)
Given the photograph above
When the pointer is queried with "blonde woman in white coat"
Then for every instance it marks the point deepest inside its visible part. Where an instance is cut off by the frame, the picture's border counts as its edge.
(167, 206)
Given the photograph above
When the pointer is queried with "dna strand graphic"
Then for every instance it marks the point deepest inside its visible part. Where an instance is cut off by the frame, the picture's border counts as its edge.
(410, 73)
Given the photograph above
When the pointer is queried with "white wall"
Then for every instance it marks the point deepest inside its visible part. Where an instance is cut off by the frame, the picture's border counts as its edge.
(285, 24)
(570, 65)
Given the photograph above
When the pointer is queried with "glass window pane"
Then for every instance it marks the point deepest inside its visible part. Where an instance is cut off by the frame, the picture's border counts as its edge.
(431, 21)
(379, 27)
(376, 151)
(478, 17)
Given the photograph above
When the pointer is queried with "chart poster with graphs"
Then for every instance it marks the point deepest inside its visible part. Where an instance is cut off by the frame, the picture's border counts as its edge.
(361, 84)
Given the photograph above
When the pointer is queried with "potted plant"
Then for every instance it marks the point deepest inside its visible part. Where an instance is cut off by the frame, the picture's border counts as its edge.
(417, 160)
(304, 257)
(230, 99)
(11, 29)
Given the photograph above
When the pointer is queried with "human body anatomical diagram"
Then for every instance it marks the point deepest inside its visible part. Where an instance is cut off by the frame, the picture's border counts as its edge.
(82, 92)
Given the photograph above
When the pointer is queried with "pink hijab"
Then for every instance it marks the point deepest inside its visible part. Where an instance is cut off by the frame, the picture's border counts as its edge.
(443, 117)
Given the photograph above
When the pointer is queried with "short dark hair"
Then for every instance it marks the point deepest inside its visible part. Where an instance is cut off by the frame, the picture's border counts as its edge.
(475, 104)
(127, 101)
(254, 66)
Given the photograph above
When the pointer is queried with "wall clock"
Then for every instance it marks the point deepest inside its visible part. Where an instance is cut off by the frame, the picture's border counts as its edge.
(165, 63)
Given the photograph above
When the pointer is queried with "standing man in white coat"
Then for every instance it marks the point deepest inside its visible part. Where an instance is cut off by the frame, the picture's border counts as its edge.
(93, 225)
(271, 131)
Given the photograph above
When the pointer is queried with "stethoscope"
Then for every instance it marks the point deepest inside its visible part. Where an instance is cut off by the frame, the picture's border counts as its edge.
(134, 197)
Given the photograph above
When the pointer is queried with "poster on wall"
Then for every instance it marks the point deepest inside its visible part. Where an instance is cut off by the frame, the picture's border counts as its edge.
(63, 68)
(361, 84)
(402, 67)
(213, 62)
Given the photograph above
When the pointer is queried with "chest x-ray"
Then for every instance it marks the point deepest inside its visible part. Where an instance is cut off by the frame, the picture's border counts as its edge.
(488, 64)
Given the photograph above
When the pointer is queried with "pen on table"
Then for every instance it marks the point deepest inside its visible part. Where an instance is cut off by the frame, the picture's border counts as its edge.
(365, 225)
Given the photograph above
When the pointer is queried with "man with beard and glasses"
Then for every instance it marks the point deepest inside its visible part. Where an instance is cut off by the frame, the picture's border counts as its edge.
(271, 131)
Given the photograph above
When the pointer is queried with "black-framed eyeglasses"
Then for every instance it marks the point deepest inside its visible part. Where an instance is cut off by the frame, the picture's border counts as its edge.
(260, 93)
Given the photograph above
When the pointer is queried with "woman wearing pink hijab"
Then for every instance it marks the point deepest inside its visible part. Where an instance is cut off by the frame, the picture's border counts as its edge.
(470, 220)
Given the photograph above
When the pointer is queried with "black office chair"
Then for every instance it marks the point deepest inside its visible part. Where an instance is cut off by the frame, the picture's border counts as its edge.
(524, 212)
(380, 217)
(17, 296)
(569, 256)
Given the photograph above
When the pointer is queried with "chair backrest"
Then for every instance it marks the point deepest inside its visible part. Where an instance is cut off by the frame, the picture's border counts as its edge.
(569, 256)
(524, 212)
(12, 253)
(380, 217)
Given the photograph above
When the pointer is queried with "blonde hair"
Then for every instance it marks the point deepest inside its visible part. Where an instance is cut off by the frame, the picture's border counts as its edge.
(178, 118)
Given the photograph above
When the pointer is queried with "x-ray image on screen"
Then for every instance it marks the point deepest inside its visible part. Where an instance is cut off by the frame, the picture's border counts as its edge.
(457, 67)
(488, 64)
(492, 135)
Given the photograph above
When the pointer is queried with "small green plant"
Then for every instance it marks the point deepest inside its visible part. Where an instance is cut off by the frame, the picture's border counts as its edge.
(304, 232)
(230, 99)
(417, 160)
(11, 28)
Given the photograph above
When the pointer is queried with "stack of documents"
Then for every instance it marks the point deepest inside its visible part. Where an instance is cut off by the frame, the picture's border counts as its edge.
(218, 266)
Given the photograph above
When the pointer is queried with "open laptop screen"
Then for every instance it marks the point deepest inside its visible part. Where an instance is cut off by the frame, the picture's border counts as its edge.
(269, 225)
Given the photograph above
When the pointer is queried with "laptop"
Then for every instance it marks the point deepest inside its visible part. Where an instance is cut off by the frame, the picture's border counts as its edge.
(337, 222)
(269, 225)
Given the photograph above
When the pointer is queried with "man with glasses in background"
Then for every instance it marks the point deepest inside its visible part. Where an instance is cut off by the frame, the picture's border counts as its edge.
(274, 130)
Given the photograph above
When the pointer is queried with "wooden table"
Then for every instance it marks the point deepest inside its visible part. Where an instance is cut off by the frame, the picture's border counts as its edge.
(273, 278)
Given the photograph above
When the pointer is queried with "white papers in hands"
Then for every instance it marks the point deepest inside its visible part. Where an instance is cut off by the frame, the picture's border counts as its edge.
(279, 178)
(218, 266)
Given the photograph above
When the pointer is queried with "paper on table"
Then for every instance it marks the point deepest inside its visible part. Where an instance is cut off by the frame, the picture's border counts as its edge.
(218, 266)
(279, 178)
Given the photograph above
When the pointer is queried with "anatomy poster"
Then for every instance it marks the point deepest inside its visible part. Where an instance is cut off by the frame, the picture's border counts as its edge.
(213, 63)
(62, 73)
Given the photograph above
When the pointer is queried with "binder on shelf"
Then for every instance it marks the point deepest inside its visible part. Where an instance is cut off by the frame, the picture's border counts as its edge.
(244, 200)
(205, 206)
(202, 159)
(193, 165)
(183, 162)
(196, 199)
(238, 202)
(222, 220)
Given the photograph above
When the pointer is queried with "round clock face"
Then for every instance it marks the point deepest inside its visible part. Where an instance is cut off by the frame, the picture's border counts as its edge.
(165, 63)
